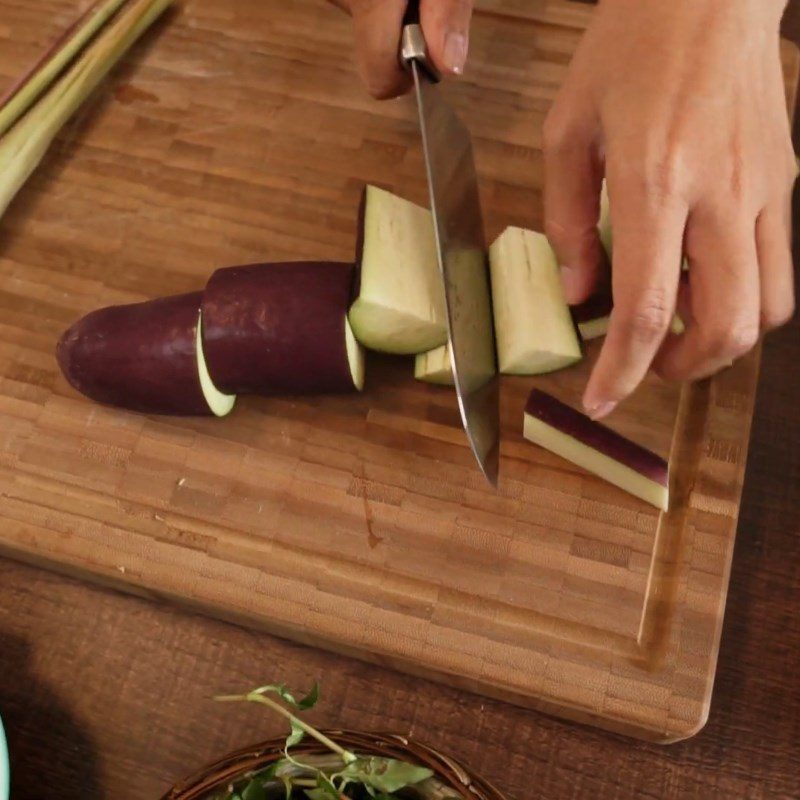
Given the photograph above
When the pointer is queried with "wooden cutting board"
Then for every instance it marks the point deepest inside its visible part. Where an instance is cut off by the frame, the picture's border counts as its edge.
(239, 133)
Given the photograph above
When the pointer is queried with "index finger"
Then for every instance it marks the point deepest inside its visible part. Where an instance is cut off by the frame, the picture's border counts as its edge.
(377, 25)
(648, 240)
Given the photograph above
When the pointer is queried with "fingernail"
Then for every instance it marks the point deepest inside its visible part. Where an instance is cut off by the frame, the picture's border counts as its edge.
(600, 410)
(455, 52)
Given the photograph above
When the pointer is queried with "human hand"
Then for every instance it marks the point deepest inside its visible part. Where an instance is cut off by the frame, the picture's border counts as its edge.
(682, 105)
(377, 26)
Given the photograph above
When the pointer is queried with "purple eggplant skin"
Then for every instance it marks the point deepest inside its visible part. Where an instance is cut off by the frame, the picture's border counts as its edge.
(563, 418)
(140, 357)
(279, 328)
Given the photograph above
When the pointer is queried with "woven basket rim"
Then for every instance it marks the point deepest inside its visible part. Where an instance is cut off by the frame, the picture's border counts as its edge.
(448, 770)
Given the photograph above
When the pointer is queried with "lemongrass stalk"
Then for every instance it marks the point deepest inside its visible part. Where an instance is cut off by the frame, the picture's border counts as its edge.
(93, 65)
(23, 148)
(55, 108)
(61, 53)
(55, 45)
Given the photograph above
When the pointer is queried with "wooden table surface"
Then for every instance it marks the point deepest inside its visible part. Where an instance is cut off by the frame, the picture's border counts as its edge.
(106, 696)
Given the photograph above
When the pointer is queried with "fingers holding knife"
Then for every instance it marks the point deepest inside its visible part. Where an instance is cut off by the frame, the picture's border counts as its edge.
(377, 24)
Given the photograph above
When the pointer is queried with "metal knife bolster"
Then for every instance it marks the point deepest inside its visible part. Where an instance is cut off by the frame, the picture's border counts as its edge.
(413, 48)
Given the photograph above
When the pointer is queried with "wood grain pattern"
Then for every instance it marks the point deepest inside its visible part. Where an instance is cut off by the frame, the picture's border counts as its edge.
(357, 524)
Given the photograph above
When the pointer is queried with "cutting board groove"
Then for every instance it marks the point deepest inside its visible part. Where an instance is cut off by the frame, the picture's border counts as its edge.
(237, 134)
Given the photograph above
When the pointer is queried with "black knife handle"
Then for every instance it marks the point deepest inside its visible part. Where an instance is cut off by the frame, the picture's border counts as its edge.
(412, 43)
(411, 17)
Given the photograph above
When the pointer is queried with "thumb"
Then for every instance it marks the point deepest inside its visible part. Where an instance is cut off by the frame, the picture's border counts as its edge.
(445, 24)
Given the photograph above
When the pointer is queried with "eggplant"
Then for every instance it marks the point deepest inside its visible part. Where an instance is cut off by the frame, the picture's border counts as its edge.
(435, 366)
(534, 328)
(592, 316)
(220, 403)
(281, 329)
(566, 432)
(399, 305)
(141, 357)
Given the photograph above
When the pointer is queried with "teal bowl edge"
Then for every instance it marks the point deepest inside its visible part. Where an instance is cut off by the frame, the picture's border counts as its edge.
(5, 767)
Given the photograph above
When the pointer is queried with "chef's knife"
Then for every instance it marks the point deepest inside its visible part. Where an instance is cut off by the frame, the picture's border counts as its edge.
(461, 245)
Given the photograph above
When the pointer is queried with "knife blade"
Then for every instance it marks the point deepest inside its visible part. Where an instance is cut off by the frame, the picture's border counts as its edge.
(462, 252)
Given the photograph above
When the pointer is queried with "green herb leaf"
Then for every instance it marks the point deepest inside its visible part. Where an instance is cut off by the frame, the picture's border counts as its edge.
(295, 737)
(267, 773)
(385, 774)
(309, 701)
(287, 785)
(325, 789)
(254, 790)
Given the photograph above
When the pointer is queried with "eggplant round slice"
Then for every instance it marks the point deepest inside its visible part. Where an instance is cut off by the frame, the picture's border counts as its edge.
(281, 329)
(140, 357)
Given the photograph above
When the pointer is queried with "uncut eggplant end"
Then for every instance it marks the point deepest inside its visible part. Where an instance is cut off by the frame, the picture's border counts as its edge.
(221, 404)
(560, 429)
(141, 357)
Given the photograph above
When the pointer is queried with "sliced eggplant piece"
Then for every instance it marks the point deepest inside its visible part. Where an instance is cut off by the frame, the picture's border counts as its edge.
(677, 326)
(399, 306)
(594, 328)
(281, 329)
(141, 357)
(534, 328)
(568, 433)
(221, 404)
(435, 366)
(592, 316)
